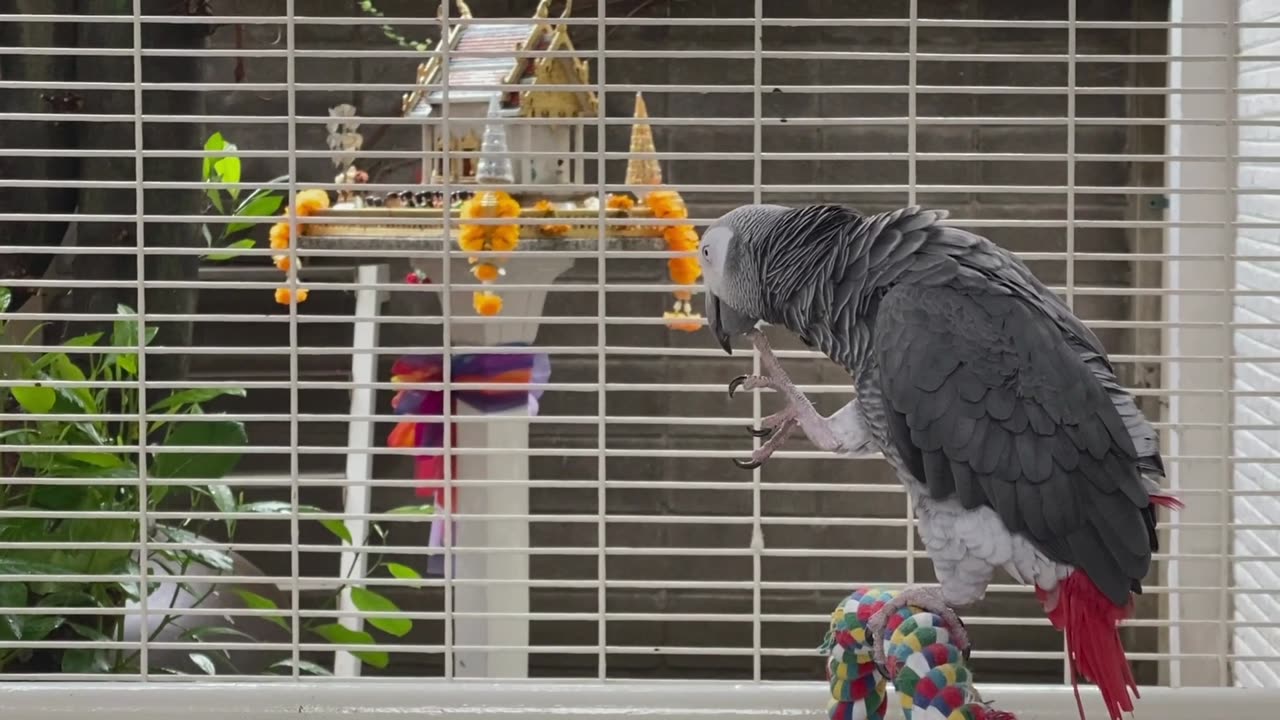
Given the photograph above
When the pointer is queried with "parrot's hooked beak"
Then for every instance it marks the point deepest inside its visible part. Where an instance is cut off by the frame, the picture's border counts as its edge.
(725, 322)
(713, 322)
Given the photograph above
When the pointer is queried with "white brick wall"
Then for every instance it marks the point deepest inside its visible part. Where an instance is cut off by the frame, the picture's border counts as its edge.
(1258, 275)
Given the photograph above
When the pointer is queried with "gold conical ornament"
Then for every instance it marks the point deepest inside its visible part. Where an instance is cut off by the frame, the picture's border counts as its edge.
(642, 171)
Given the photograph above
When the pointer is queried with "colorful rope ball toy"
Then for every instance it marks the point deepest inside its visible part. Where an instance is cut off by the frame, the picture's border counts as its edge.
(929, 672)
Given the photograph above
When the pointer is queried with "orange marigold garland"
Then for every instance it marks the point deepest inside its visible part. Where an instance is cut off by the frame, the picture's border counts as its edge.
(475, 238)
(308, 202)
(554, 229)
(668, 205)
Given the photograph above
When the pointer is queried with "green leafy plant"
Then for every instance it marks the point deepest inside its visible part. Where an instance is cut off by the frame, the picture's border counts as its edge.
(384, 612)
(47, 482)
(100, 474)
(224, 170)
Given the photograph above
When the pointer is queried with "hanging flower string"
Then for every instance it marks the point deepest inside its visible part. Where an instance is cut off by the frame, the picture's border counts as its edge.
(554, 229)
(474, 238)
(308, 203)
(684, 270)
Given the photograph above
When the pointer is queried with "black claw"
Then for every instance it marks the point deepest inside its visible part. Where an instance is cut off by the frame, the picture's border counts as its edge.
(747, 464)
(761, 432)
(736, 383)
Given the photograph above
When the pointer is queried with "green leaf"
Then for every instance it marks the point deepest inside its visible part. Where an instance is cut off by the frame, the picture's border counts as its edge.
(369, 601)
(13, 595)
(86, 340)
(304, 666)
(228, 170)
(17, 566)
(193, 396)
(337, 527)
(100, 460)
(190, 465)
(225, 502)
(35, 399)
(214, 558)
(244, 244)
(203, 662)
(88, 633)
(254, 601)
(264, 203)
(6, 298)
(77, 660)
(38, 627)
(200, 633)
(17, 432)
(404, 572)
(213, 144)
(342, 635)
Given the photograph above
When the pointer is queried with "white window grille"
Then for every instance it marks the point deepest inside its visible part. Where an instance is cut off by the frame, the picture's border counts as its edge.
(606, 556)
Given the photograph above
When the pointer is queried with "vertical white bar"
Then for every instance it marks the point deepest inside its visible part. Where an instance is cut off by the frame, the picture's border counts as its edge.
(353, 564)
(1071, 216)
(579, 162)
(913, 69)
(1211, 412)
(602, 244)
(295, 559)
(446, 342)
(144, 524)
(757, 504)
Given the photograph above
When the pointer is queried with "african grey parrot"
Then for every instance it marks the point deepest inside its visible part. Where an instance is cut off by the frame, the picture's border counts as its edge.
(997, 408)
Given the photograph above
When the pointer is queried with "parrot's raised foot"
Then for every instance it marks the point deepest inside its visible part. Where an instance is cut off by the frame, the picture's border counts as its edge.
(925, 597)
(752, 382)
(771, 424)
(777, 427)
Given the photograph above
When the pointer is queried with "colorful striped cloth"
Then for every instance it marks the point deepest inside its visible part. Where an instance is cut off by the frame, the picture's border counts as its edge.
(516, 368)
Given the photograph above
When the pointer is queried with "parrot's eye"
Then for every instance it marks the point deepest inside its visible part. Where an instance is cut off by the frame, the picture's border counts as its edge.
(706, 251)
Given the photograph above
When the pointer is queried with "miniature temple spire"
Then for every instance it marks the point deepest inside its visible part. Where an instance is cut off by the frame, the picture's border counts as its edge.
(642, 171)
(494, 165)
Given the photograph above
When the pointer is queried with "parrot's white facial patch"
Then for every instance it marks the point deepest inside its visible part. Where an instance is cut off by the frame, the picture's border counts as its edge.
(711, 254)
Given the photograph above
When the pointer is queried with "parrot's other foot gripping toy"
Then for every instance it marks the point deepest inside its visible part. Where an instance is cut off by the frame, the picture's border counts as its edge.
(930, 674)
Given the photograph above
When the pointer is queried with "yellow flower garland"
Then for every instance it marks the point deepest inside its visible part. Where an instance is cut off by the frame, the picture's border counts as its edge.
(496, 238)
(668, 205)
(308, 202)
(553, 229)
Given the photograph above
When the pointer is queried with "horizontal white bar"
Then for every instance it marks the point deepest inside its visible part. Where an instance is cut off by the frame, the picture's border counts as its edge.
(675, 155)
(884, 121)
(314, 582)
(434, 23)
(650, 88)
(415, 698)
(453, 54)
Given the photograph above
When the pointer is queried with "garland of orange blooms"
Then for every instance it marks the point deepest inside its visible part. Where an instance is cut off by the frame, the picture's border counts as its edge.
(684, 270)
(308, 202)
(493, 238)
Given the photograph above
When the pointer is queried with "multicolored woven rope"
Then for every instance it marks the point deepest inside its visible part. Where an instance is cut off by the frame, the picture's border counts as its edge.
(929, 673)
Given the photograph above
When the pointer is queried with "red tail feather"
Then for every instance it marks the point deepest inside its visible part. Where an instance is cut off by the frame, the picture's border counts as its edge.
(1167, 501)
(1090, 622)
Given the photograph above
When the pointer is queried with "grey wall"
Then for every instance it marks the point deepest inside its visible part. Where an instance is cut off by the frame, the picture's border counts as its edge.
(889, 134)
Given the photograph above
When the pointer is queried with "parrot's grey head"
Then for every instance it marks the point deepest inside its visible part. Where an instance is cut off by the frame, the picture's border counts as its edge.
(728, 255)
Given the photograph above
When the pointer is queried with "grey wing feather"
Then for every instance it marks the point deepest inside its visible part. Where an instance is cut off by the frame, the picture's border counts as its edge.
(987, 401)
